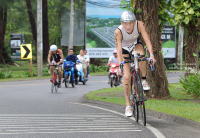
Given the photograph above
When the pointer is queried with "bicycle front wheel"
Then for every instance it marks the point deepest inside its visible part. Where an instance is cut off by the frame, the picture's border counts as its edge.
(67, 80)
(135, 110)
(141, 99)
(143, 113)
(52, 87)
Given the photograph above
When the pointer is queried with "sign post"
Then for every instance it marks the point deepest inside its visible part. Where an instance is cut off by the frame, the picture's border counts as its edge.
(26, 53)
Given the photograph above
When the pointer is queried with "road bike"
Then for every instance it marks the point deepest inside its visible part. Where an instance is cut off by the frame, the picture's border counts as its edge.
(54, 80)
(137, 95)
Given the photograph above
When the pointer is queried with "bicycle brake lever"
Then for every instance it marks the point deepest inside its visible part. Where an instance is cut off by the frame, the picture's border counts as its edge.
(151, 65)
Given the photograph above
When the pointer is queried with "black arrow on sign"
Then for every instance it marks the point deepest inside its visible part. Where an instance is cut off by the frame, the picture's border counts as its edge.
(27, 51)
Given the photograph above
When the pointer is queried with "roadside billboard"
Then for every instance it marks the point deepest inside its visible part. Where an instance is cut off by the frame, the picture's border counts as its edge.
(15, 42)
(101, 23)
(168, 38)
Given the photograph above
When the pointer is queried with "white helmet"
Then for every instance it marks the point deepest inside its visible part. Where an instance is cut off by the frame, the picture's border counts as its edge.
(127, 16)
(53, 48)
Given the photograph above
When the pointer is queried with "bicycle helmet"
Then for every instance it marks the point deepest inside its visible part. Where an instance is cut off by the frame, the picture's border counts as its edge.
(53, 48)
(115, 52)
(127, 16)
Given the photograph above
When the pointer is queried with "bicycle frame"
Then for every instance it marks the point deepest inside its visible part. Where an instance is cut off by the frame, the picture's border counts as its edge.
(55, 74)
(137, 97)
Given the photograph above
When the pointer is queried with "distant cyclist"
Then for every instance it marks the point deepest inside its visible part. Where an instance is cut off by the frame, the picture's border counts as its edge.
(58, 59)
(126, 37)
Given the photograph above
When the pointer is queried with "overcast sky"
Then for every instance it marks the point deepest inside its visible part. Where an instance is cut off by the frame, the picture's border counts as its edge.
(97, 10)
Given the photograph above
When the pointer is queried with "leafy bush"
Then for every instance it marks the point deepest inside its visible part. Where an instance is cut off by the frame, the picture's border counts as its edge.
(95, 68)
(45, 72)
(8, 74)
(191, 84)
(2, 75)
(28, 73)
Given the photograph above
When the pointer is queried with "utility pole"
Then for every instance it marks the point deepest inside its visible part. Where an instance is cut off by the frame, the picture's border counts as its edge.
(71, 32)
(39, 38)
(180, 47)
(85, 27)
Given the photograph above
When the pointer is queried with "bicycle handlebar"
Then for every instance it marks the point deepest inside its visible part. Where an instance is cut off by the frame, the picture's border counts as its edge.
(132, 61)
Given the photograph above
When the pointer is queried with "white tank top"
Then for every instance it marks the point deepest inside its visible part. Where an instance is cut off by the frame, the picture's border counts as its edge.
(129, 40)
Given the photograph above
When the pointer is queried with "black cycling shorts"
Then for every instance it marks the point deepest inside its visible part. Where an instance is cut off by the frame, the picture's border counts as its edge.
(127, 52)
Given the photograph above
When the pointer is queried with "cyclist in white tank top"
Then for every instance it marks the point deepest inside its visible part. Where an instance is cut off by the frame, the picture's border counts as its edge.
(126, 37)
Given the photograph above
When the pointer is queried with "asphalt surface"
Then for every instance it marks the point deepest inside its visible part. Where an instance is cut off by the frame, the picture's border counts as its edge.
(28, 109)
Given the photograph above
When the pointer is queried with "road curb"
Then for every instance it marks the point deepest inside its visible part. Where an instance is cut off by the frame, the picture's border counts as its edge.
(155, 114)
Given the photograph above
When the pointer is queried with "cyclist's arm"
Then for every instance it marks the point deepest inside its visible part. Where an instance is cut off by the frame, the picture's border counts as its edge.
(145, 36)
(62, 57)
(49, 57)
(118, 42)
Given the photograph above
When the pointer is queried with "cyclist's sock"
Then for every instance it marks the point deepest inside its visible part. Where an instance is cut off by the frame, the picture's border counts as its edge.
(144, 78)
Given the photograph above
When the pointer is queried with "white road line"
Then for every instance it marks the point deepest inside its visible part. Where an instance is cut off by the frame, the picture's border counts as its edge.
(78, 129)
(155, 131)
(66, 124)
(89, 123)
(91, 126)
(112, 131)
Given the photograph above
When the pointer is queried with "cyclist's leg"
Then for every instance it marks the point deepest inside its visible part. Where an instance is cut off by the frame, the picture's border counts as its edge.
(126, 82)
(140, 49)
(60, 73)
(51, 71)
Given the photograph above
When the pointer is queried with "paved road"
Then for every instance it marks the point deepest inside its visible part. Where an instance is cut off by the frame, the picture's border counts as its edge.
(29, 109)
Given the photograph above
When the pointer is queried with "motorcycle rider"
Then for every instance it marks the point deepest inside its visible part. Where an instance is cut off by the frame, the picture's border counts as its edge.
(71, 57)
(83, 60)
(88, 62)
(113, 59)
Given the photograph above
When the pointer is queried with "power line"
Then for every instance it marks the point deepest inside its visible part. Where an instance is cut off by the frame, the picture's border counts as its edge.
(106, 5)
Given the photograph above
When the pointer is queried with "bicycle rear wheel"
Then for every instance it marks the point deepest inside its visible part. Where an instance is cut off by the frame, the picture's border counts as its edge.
(141, 100)
(56, 87)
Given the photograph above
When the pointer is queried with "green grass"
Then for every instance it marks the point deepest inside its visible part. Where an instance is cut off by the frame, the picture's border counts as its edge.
(181, 108)
(25, 78)
(175, 106)
(23, 66)
(99, 73)
(177, 92)
(18, 72)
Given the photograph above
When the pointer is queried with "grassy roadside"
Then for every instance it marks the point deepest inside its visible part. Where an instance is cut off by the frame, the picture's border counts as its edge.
(177, 105)
(25, 78)
(99, 73)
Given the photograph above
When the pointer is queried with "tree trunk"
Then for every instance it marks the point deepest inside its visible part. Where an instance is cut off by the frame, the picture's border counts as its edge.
(45, 30)
(1, 34)
(32, 22)
(6, 57)
(157, 79)
(191, 47)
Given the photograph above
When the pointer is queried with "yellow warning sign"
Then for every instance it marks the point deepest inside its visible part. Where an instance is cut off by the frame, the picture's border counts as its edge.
(26, 51)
